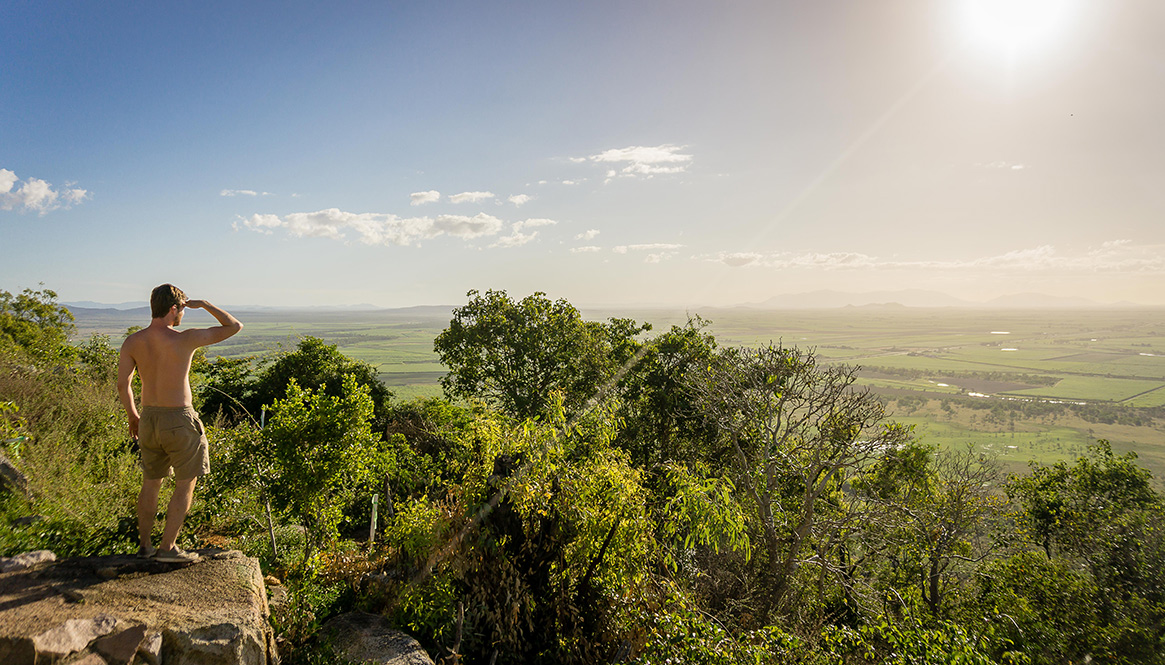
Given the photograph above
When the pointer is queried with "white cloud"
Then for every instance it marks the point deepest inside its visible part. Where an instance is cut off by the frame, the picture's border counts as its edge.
(644, 160)
(472, 197)
(243, 192)
(570, 182)
(622, 249)
(737, 259)
(585, 249)
(1000, 164)
(375, 228)
(36, 194)
(519, 200)
(658, 251)
(74, 196)
(589, 234)
(515, 239)
(1109, 257)
(419, 198)
(537, 221)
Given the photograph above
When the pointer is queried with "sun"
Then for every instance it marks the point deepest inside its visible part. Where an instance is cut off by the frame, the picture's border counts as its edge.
(1014, 27)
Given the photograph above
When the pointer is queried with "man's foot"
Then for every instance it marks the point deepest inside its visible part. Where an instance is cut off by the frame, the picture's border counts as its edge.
(176, 555)
(146, 551)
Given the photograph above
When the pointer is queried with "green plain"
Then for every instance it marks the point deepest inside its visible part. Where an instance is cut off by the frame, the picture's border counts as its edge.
(1107, 357)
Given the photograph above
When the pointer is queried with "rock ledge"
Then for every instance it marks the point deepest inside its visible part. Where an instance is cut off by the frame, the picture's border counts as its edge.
(124, 610)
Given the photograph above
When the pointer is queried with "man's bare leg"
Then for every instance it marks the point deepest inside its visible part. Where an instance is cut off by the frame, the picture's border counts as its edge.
(176, 512)
(147, 509)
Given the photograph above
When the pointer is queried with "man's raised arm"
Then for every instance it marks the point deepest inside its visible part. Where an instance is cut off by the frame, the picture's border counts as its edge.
(228, 325)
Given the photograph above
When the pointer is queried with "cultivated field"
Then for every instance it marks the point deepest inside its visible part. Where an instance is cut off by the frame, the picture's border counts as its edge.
(1020, 385)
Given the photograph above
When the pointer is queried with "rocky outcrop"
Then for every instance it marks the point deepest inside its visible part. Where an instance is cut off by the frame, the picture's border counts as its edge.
(120, 610)
(361, 637)
(11, 478)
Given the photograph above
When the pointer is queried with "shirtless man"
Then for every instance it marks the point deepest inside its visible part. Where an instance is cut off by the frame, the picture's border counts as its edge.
(171, 435)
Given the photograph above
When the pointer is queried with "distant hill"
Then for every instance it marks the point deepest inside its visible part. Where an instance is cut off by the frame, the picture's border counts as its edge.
(89, 304)
(833, 299)
(921, 298)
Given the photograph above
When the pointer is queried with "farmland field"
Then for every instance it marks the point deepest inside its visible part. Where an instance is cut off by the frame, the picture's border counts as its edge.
(1020, 385)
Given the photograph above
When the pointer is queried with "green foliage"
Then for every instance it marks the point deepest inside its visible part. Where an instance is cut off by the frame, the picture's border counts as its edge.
(702, 511)
(74, 449)
(99, 358)
(1077, 507)
(434, 454)
(888, 641)
(315, 450)
(1045, 608)
(310, 602)
(225, 389)
(418, 530)
(235, 388)
(675, 630)
(515, 355)
(546, 531)
(33, 321)
(661, 421)
(11, 429)
(946, 513)
(798, 433)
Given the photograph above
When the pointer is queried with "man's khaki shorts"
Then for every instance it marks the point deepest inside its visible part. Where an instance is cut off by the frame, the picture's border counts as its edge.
(172, 436)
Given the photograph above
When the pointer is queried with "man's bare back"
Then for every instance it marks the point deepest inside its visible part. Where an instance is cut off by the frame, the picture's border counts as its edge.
(161, 356)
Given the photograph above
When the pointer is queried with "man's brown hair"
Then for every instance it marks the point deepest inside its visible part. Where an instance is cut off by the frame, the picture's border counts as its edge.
(163, 298)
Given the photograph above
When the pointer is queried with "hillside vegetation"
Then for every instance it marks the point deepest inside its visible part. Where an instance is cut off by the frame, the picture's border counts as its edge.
(599, 491)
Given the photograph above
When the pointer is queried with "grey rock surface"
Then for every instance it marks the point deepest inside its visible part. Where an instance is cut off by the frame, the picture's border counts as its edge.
(136, 611)
(12, 478)
(363, 637)
(72, 635)
(26, 560)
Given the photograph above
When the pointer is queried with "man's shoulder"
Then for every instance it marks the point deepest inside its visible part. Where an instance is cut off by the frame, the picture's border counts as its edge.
(134, 339)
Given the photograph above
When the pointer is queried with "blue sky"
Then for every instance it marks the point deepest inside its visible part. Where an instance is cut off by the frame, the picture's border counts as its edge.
(613, 153)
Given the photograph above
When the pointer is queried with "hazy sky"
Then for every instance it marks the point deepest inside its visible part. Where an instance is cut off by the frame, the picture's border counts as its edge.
(670, 152)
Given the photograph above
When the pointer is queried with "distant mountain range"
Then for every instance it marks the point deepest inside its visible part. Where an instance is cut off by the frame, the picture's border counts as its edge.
(362, 307)
(824, 299)
(923, 298)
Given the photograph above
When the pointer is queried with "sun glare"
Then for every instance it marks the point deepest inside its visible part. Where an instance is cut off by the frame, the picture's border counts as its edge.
(1015, 27)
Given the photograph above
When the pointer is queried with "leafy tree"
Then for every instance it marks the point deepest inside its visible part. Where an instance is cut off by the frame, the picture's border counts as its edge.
(515, 355)
(318, 448)
(233, 385)
(549, 533)
(797, 432)
(1102, 512)
(947, 510)
(33, 320)
(1077, 507)
(99, 358)
(226, 388)
(661, 420)
(1045, 608)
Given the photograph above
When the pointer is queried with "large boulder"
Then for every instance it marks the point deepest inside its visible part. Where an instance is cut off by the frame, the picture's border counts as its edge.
(121, 610)
(361, 637)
